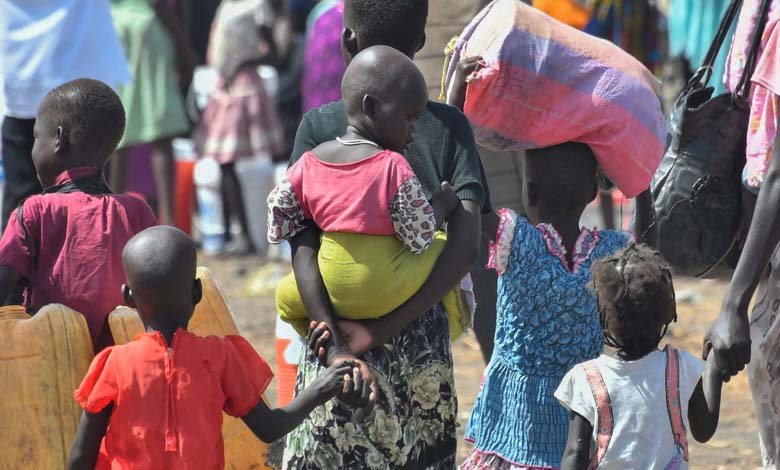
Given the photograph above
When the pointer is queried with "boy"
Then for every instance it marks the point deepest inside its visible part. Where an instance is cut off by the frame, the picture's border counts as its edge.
(444, 150)
(65, 245)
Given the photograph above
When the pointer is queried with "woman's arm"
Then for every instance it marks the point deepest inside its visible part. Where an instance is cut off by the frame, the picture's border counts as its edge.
(184, 53)
(704, 405)
(89, 436)
(577, 453)
(729, 336)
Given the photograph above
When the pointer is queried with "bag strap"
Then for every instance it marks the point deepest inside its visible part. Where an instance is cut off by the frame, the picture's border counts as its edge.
(606, 422)
(743, 88)
(673, 400)
(705, 70)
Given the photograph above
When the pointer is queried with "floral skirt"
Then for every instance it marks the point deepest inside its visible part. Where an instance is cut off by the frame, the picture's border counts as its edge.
(413, 423)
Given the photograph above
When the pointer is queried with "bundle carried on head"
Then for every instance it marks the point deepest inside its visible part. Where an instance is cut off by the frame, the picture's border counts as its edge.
(546, 83)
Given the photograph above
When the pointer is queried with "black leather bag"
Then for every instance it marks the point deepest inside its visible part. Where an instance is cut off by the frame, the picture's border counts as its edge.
(697, 188)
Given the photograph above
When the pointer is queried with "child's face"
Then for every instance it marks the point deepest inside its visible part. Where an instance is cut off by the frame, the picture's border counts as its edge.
(45, 147)
(394, 121)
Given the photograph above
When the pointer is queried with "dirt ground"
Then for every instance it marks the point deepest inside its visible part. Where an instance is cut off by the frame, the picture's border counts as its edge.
(735, 446)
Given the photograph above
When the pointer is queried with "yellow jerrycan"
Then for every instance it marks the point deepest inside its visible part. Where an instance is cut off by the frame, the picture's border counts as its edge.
(42, 361)
(243, 450)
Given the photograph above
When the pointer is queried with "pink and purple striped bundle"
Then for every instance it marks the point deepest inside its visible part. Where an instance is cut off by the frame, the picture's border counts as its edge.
(547, 83)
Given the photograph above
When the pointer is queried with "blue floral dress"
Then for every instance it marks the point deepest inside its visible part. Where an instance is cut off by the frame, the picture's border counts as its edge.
(547, 323)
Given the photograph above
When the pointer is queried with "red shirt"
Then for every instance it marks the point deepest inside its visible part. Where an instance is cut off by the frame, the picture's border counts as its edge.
(168, 407)
(78, 239)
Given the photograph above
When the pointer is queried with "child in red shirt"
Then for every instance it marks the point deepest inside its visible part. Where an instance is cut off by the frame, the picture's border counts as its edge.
(157, 402)
(65, 245)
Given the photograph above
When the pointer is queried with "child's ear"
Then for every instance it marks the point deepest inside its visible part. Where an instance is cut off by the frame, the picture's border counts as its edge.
(369, 106)
(197, 292)
(422, 42)
(349, 43)
(127, 295)
(61, 142)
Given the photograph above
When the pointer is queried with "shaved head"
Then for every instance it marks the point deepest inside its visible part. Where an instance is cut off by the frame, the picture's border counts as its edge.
(160, 265)
(382, 72)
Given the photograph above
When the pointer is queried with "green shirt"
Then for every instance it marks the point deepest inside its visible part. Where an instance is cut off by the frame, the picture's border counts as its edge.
(444, 148)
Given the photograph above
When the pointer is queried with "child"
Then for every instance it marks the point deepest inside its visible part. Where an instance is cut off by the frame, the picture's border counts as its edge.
(240, 119)
(161, 62)
(547, 318)
(360, 184)
(633, 406)
(157, 402)
(65, 245)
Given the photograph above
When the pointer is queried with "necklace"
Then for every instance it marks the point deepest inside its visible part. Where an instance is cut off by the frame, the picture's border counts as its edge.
(354, 142)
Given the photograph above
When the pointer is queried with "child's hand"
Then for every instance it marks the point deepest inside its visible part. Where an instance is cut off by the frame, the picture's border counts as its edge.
(456, 91)
(444, 202)
(357, 391)
(333, 381)
(319, 341)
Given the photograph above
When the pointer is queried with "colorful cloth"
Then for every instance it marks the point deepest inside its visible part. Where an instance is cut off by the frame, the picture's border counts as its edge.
(323, 64)
(74, 252)
(764, 103)
(546, 83)
(414, 421)
(240, 121)
(379, 195)
(168, 399)
(153, 103)
(369, 276)
(547, 323)
(638, 409)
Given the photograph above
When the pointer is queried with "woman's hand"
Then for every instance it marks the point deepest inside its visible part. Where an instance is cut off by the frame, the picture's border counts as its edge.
(456, 89)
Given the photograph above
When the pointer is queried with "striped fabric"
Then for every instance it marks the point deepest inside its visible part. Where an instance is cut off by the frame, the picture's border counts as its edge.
(547, 83)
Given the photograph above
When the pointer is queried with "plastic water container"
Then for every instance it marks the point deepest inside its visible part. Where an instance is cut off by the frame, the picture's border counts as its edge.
(257, 177)
(209, 223)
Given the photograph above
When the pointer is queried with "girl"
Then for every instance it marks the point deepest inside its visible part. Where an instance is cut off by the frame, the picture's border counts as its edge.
(240, 120)
(351, 188)
(155, 45)
(547, 318)
(617, 401)
(157, 402)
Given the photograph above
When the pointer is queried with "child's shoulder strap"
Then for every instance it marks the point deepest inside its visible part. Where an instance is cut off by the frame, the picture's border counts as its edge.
(606, 421)
(673, 406)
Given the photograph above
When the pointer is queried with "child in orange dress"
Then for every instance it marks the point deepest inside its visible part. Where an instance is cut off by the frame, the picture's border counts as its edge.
(157, 402)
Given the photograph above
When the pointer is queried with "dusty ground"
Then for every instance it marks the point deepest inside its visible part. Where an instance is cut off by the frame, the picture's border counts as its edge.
(735, 446)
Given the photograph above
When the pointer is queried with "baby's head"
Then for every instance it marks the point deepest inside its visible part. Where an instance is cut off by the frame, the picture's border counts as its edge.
(160, 265)
(399, 24)
(635, 297)
(78, 124)
(384, 94)
(559, 180)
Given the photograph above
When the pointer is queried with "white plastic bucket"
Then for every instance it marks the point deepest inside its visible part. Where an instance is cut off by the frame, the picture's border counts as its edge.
(210, 223)
(257, 180)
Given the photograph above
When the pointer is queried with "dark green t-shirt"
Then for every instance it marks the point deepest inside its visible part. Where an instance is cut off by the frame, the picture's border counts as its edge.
(443, 150)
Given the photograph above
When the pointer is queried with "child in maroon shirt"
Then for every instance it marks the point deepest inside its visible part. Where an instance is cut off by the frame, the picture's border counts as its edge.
(65, 245)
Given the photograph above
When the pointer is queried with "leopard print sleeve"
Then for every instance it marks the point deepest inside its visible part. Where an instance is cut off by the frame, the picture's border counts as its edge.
(285, 213)
(412, 216)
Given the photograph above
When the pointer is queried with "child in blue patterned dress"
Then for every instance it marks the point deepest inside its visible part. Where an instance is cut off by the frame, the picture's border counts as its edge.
(547, 318)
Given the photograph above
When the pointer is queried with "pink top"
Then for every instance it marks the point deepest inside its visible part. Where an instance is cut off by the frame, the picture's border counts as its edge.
(78, 241)
(765, 91)
(379, 195)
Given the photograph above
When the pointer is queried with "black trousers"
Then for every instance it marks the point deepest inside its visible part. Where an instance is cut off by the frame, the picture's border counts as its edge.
(21, 179)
